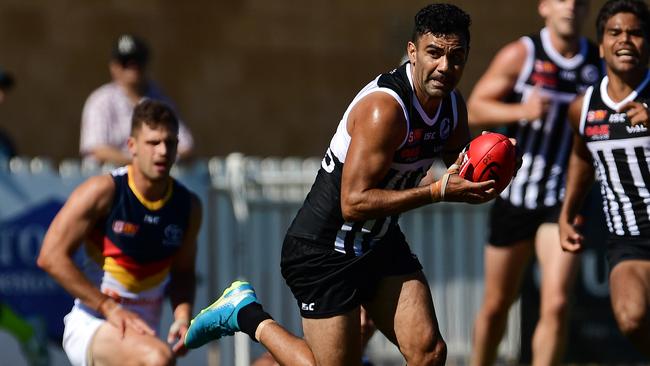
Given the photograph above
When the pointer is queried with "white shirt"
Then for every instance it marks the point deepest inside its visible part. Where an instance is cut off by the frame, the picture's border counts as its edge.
(106, 119)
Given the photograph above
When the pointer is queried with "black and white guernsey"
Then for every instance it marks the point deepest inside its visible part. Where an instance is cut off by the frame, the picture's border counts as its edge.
(621, 154)
(546, 142)
(320, 219)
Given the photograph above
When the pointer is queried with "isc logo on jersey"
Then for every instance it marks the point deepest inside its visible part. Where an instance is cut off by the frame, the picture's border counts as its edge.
(617, 117)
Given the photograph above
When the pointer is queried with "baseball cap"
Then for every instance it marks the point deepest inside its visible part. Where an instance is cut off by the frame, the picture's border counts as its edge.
(6, 80)
(129, 48)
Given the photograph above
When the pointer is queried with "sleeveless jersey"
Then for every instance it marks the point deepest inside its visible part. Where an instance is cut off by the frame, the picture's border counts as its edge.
(546, 142)
(320, 219)
(129, 253)
(621, 154)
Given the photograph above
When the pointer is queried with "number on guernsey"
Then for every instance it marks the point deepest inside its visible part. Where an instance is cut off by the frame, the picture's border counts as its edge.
(328, 161)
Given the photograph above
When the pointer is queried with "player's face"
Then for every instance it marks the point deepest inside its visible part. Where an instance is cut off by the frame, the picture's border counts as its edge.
(438, 63)
(154, 151)
(564, 17)
(624, 45)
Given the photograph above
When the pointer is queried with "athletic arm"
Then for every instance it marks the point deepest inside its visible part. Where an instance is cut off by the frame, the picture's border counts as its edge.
(486, 105)
(86, 205)
(580, 177)
(377, 127)
(182, 286)
(89, 202)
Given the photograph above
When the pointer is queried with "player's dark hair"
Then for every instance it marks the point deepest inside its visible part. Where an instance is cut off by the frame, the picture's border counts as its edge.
(613, 7)
(153, 113)
(441, 20)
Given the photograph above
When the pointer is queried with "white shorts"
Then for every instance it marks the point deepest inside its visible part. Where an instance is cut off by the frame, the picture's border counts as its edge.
(80, 327)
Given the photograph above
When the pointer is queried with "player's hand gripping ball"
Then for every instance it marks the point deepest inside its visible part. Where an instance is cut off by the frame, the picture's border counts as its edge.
(490, 156)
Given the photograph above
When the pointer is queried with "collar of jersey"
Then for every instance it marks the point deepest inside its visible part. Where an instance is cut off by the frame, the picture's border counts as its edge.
(563, 62)
(430, 121)
(630, 97)
(151, 205)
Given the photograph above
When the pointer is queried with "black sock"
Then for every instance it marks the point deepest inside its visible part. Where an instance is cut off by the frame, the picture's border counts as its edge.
(250, 317)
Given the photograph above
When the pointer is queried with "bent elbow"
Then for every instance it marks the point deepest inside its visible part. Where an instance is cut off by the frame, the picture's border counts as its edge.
(43, 262)
(351, 213)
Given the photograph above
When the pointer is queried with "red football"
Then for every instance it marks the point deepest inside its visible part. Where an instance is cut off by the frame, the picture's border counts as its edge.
(490, 156)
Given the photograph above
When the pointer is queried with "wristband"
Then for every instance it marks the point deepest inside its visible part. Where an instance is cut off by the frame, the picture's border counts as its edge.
(437, 189)
(443, 188)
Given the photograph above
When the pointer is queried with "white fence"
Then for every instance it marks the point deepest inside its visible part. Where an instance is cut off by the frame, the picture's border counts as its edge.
(248, 204)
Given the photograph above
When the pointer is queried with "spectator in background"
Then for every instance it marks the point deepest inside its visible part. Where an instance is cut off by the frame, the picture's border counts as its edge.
(7, 149)
(106, 117)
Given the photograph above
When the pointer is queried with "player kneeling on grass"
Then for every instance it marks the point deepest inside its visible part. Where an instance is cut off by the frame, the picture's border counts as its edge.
(139, 227)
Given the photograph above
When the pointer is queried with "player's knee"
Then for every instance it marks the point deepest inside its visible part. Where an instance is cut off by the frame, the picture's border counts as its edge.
(496, 310)
(157, 355)
(631, 321)
(432, 352)
(555, 307)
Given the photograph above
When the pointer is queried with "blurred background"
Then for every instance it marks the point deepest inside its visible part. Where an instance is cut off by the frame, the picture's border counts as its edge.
(269, 79)
(260, 77)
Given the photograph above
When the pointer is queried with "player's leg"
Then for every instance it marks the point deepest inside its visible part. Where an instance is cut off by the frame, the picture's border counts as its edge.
(91, 340)
(239, 310)
(558, 270)
(334, 340)
(285, 347)
(504, 270)
(108, 347)
(403, 311)
(629, 283)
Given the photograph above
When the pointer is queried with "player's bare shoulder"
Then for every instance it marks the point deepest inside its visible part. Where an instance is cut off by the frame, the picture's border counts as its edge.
(95, 195)
(377, 110)
(511, 57)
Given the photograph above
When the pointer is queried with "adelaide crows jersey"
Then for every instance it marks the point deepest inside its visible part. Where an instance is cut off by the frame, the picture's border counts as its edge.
(320, 219)
(546, 142)
(621, 154)
(130, 252)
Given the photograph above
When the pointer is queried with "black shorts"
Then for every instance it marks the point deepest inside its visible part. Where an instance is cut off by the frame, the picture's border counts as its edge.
(510, 224)
(326, 283)
(622, 248)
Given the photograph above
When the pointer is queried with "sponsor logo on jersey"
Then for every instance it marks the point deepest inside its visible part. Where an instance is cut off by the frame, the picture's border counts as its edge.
(545, 67)
(597, 132)
(172, 235)
(597, 115)
(636, 129)
(410, 153)
(544, 80)
(617, 117)
(415, 136)
(124, 228)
